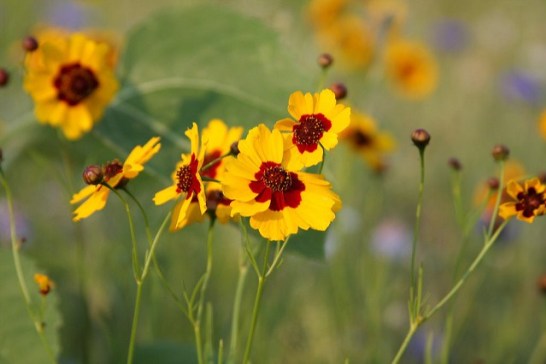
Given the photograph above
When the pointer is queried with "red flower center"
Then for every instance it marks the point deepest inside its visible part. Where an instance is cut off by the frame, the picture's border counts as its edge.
(74, 83)
(361, 139)
(275, 184)
(529, 202)
(212, 170)
(187, 178)
(309, 131)
(215, 198)
(111, 169)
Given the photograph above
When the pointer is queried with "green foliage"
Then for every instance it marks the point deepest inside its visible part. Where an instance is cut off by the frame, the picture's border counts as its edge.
(19, 341)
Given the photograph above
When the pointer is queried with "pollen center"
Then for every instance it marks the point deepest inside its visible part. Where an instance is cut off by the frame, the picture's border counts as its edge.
(309, 131)
(74, 83)
(277, 179)
(111, 169)
(185, 179)
(529, 202)
(361, 139)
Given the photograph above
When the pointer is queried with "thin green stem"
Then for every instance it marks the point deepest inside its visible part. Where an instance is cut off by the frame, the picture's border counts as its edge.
(323, 159)
(277, 258)
(257, 300)
(136, 315)
(214, 161)
(144, 214)
(15, 247)
(497, 201)
(413, 328)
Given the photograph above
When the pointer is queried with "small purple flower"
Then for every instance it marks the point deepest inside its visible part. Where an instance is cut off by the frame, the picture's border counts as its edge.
(67, 14)
(417, 347)
(520, 86)
(392, 239)
(21, 225)
(450, 36)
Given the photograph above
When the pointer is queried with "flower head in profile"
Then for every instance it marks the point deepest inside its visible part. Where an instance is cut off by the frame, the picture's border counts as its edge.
(115, 175)
(364, 138)
(220, 139)
(45, 284)
(318, 119)
(71, 81)
(187, 183)
(411, 67)
(279, 200)
(528, 200)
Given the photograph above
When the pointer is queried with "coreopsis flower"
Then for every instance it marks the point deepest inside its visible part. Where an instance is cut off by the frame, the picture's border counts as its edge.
(115, 175)
(187, 183)
(318, 119)
(220, 139)
(45, 284)
(364, 138)
(528, 201)
(411, 68)
(71, 81)
(324, 13)
(279, 200)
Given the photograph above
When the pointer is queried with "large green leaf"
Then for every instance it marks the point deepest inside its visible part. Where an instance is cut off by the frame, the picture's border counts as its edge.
(19, 342)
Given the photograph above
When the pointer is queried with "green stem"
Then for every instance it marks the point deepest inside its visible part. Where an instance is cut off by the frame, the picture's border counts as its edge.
(136, 315)
(323, 159)
(15, 246)
(214, 161)
(497, 201)
(241, 280)
(413, 328)
(257, 300)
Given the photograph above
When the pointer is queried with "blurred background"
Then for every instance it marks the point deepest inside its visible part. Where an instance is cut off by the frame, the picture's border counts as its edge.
(345, 297)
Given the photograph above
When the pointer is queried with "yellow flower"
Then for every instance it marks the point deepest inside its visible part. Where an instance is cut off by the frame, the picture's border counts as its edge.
(529, 200)
(115, 175)
(71, 80)
(44, 283)
(186, 183)
(278, 200)
(323, 13)
(318, 120)
(220, 140)
(411, 67)
(364, 138)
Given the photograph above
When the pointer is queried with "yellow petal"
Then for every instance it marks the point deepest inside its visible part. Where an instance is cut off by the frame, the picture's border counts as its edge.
(95, 202)
(165, 195)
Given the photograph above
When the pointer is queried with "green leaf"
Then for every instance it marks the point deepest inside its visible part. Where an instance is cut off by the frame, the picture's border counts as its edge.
(19, 341)
(197, 63)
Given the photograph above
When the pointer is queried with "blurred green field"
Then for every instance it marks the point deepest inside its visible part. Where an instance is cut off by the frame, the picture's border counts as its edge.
(344, 298)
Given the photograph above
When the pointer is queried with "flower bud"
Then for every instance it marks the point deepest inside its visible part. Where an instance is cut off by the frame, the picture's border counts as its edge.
(340, 90)
(234, 149)
(4, 77)
(93, 175)
(30, 44)
(493, 183)
(325, 60)
(421, 138)
(500, 152)
(45, 284)
(455, 164)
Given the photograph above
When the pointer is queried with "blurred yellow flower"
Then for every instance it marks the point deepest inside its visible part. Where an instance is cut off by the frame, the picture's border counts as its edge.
(220, 139)
(115, 175)
(318, 119)
(513, 170)
(411, 67)
(278, 199)
(364, 138)
(542, 124)
(45, 284)
(529, 200)
(187, 183)
(71, 81)
(323, 13)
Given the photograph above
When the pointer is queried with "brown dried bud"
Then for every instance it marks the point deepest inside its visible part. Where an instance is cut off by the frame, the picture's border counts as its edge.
(4, 77)
(541, 284)
(420, 137)
(30, 44)
(325, 60)
(455, 164)
(93, 175)
(500, 152)
(234, 148)
(340, 90)
(493, 183)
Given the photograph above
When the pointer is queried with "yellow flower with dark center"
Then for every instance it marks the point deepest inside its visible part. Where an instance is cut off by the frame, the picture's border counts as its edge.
(187, 183)
(411, 67)
(318, 119)
(44, 283)
(364, 138)
(115, 175)
(279, 200)
(71, 80)
(529, 200)
(220, 139)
